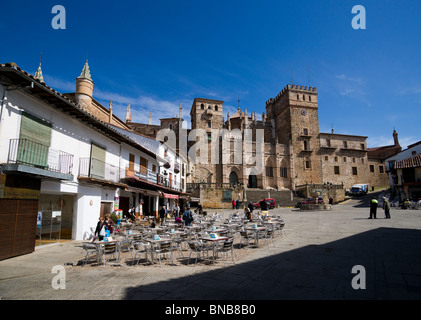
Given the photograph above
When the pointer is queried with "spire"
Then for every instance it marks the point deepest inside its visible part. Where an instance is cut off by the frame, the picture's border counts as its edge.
(111, 111)
(38, 74)
(180, 114)
(128, 114)
(150, 117)
(86, 73)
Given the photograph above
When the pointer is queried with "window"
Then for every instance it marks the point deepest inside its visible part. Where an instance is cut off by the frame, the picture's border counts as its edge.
(153, 168)
(326, 158)
(209, 136)
(327, 142)
(143, 165)
(305, 131)
(345, 144)
(381, 169)
(362, 160)
(304, 98)
(284, 172)
(210, 107)
(209, 124)
(309, 98)
(298, 97)
(336, 159)
(308, 164)
(131, 162)
(353, 160)
(362, 146)
(269, 172)
(202, 106)
(305, 145)
(371, 168)
(336, 169)
(354, 171)
(344, 159)
(216, 108)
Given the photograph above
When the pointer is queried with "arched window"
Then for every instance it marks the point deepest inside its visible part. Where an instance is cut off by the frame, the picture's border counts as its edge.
(216, 108)
(233, 178)
(298, 97)
(304, 98)
(202, 106)
(210, 107)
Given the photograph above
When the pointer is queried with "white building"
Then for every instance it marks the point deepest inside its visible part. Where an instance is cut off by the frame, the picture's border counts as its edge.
(61, 164)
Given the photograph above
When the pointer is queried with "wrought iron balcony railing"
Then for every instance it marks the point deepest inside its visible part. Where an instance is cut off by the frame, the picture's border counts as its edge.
(37, 155)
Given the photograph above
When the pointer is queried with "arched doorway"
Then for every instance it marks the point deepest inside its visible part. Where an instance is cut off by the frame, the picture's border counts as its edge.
(252, 181)
(233, 177)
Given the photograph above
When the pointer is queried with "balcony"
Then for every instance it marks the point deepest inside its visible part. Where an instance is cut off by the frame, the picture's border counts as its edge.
(177, 167)
(96, 171)
(29, 157)
(144, 174)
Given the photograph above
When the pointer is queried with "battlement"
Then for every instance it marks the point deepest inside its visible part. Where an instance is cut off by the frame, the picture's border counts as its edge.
(294, 88)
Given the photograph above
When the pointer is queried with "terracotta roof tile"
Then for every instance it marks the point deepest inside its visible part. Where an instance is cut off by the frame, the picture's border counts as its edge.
(412, 162)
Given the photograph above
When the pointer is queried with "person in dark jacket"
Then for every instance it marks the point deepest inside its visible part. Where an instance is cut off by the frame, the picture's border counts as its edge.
(373, 208)
(100, 228)
(162, 214)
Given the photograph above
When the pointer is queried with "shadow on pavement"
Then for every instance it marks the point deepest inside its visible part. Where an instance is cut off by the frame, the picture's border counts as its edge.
(391, 259)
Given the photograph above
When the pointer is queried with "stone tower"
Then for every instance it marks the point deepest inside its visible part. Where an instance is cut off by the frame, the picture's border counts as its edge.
(207, 114)
(84, 88)
(296, 118)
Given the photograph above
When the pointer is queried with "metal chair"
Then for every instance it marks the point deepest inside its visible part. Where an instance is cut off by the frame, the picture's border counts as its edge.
(247, 236)
(139, 248)
(197, 248)
(91, 250)
(110, 249)
(227, 246)
(163, 249)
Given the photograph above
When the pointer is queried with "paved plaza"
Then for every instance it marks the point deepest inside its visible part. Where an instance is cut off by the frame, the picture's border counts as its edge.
(314, 259)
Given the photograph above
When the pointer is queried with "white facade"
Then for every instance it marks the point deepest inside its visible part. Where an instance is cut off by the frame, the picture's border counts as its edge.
(73, 137)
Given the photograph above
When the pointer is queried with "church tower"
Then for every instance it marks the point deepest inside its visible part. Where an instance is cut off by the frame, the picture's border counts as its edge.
(295, 111)
(207, 114)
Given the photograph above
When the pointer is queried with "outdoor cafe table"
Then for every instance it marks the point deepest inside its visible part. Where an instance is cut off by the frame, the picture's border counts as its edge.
(217, 230)
(99, 245)
(214, 241)
(256, 230)
(152, 241)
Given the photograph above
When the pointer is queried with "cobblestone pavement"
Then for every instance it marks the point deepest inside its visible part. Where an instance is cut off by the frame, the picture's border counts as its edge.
(314, 259)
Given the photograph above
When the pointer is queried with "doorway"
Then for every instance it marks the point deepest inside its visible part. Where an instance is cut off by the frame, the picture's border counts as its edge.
(252, 181)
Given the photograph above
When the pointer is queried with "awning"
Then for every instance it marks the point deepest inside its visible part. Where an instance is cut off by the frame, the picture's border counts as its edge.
(142, 191)
(170, 196)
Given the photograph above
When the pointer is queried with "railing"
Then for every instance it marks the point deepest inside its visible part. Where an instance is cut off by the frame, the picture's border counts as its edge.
(98, 169)
(34, 154)
(144, 174)
(226, 186)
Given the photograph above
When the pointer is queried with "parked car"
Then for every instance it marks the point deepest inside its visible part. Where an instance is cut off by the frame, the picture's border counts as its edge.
(270, 203)
(310, 200)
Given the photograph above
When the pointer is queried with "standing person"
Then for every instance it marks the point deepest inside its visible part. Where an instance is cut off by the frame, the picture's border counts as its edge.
(386, 208)
(250, 206)
(162, 214)
(110, 223)
(100, 228)
(373, 208)
(176, 210)
(233, 204)
(199, 209)
(187, 217)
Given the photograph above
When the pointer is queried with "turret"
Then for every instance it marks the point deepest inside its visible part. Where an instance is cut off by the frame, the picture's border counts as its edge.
(84, 88)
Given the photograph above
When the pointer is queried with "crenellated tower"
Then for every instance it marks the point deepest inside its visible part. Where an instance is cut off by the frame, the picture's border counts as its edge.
(296, 118)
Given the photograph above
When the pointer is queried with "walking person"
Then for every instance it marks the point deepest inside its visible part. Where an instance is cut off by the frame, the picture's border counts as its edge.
(100, 228)
(373, 208)
(386, 208)
(187, 217)
(162, 214)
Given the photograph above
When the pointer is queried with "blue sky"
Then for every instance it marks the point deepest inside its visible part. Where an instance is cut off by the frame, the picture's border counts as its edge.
(158, 54)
